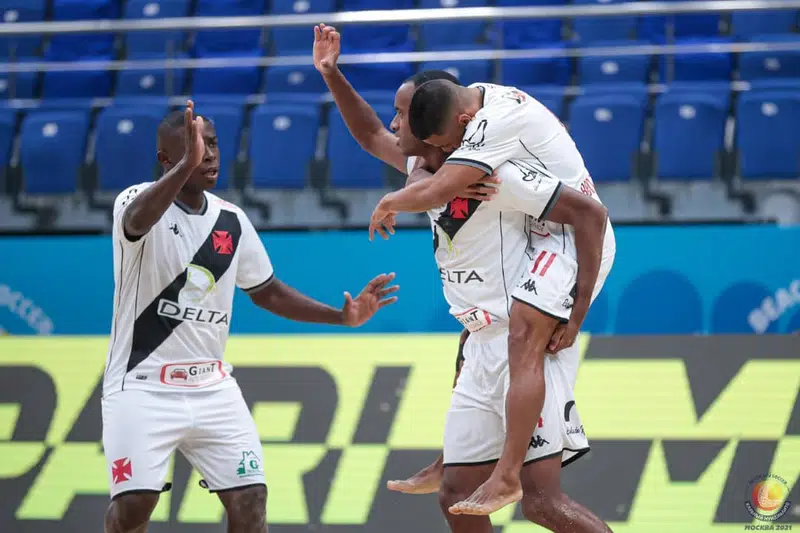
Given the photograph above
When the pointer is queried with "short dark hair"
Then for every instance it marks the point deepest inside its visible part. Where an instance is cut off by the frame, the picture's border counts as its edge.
(173, 121)
(429, 75)
(431, 104)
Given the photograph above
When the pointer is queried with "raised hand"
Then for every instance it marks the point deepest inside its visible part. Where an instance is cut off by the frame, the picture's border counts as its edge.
(327, 47)
(193, 133)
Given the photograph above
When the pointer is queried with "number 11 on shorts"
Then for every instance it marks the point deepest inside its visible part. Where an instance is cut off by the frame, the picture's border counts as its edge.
(544, 259)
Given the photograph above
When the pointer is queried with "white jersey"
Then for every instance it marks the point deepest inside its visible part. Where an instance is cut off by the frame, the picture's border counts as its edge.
(173, 295)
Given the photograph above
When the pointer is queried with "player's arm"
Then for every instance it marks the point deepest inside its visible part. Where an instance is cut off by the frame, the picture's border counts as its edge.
(150, 205)
(361, 119)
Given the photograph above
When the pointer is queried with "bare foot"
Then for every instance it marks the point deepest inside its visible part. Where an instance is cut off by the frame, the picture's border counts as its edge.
(489, 498)
(426, 481)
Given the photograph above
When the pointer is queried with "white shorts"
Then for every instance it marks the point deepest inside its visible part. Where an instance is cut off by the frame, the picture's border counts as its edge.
(475, 427)
(213, 430)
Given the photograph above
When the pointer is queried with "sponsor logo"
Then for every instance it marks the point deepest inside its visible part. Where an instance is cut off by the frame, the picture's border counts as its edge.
(200, 284)
(25, 309)
(174, 229)
(474, 319)
(517, 96)
(767, 498)
(249, 465)
(530, 286)
(537, 442)
(459, 208)
(121, 470)
(222, 241)
(774, 307)
(477, 138)
(192, 314)
(567, 303)
(576, 430)
(460, 276)
(192, 374)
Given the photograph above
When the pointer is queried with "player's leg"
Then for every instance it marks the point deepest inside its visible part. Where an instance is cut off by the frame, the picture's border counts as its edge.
(225, 448)
(457, 484)
(140, 433)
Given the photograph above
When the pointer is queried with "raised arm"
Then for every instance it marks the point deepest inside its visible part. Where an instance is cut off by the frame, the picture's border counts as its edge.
(361, 119)
(151, 204)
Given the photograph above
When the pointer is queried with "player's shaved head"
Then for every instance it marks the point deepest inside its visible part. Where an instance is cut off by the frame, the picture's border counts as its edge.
(171, 147)
(173, 124)
(430, 75)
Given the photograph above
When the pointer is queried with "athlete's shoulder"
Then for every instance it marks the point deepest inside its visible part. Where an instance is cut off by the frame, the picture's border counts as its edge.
(224, 205)
(127, 196)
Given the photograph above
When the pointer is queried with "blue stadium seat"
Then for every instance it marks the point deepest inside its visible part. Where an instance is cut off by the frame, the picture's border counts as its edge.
(19, 85)
(74, 46)
(380, 36)
(79, 84)
(776, 64)
(126, 139)
(299, 79)
(283, 139)
(732, 309)
(151, 82)
(53, 151)
(679, 309)
(718, 89)
(65, 104)
(776, 84)
(350, 165)
(539, 71)
(8, 123)
(439, 36)
(296, 40)
(380, 77)
(705, 66)
(613, 69)
(768, 135)
(654, 28)
(751, 23)
(213, 42)
(689, 135)
(552, 96)
(12, 11)
(591, 29)
(608, 132)
(228, 122)
(230, 80)
(155, 43)
(530, 33)
(634, 90)
(467, 72)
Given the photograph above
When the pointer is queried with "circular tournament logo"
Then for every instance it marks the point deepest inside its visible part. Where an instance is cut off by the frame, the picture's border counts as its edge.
(766, 498)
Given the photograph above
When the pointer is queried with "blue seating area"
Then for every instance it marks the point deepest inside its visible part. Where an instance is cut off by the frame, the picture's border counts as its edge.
(637, 119)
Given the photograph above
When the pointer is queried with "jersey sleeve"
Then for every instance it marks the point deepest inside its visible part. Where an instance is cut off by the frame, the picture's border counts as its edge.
(255, 268)
(528, 188)
(491, 138)
(121, 204)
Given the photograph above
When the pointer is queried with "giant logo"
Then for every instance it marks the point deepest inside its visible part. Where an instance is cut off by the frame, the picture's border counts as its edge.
(679, 429)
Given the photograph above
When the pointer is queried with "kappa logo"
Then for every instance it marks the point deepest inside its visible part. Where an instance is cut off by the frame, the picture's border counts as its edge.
(121, 470)
(537, 442)
(222, 242)
(530, 286)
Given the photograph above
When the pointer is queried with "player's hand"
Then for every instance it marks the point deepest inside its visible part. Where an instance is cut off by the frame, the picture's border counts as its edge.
(483, 190)
(563, 337)
(327, 47)
(193, 133)
(382, 221)
(376, 294)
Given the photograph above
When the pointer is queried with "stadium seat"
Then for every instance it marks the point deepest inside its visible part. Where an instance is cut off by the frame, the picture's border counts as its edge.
(19, 85)
(751, 23)
(289, 40)
(634, 90)
(772, 155)
(775, 64)
(225, 41)
(13, 11)
(529, 33)
(658, 28)
(776, 84)
(78, 84)
(693, 67)
(350, 166)
(551, 96)
(380, 77)
(228, 122)
(718, 89)
(608, 132)
(688, 137)
(283, 140)
(380, 36)
(126, 139)
(679, 309)
(53, 151)
(298, 79)
(74, 46)
(591, 29)
(613, 69)
(441, 35)
(151, 82)
(468, 72)
(229, 80)
(8, 124)
(538, 71)
(155, 43)
(732, 308)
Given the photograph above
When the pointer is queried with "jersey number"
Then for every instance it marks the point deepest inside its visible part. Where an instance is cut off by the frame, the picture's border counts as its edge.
(543, 260)
(587, 187)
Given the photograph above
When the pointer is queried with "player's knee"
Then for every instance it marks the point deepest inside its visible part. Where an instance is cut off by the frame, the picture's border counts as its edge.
(129, 512)
(450, 494)
(543, 509)
(246, 508)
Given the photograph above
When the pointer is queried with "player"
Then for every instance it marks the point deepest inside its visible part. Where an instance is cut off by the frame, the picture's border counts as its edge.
(179, 253)
(487, 125)
(462, 235)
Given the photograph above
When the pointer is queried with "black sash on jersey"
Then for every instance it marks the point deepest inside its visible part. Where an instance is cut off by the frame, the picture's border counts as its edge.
(453, 217)
(151, 329)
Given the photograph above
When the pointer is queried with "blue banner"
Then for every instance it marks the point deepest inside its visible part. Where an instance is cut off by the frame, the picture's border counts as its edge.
(727, 279)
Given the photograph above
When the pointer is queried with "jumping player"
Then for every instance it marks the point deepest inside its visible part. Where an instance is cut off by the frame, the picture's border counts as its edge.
(466, 231)
(179, 253)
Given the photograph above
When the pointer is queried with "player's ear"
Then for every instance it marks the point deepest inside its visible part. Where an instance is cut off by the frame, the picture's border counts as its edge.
(163, 159)
(464, 119)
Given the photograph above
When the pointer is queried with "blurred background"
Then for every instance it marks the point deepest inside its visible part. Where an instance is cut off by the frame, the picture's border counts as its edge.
(687, 115)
